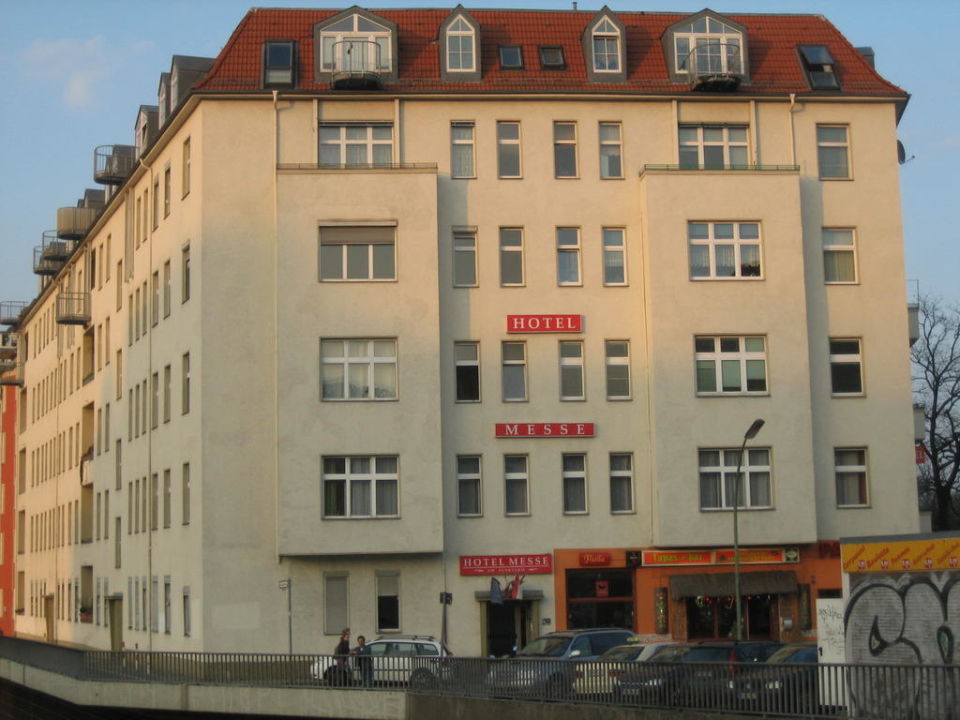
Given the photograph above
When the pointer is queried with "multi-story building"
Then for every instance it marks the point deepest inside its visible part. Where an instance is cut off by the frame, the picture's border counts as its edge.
(393, 304)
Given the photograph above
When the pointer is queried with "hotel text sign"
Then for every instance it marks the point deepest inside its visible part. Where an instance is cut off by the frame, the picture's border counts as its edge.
(544, 323)
(524, 430)
(506, 564)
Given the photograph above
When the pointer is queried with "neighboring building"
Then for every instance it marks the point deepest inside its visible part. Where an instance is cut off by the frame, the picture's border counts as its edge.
(393, 302)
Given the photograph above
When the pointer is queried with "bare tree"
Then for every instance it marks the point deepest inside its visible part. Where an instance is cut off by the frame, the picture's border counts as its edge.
(936, 363)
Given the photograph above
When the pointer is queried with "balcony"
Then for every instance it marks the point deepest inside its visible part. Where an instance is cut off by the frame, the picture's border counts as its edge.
(11, 372)
(10, 311)
(73, 223)
(73, 308)
(357, 65)
(86, 468)
(714, 67)
(8, 344)
(112, 164)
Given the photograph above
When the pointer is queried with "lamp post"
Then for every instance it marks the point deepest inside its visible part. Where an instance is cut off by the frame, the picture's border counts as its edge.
(748, 435)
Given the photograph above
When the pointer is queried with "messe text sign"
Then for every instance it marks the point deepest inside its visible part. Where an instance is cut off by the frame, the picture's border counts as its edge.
(506, 564)
(544, 430)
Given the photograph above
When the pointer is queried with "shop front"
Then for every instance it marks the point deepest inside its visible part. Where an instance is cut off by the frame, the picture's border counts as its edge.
(688, 594)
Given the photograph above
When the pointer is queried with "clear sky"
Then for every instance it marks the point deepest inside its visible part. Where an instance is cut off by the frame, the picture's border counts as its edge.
(73, 74)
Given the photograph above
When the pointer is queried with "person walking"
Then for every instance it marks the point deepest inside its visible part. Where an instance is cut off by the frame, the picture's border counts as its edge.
(364, 661)
(340, 673)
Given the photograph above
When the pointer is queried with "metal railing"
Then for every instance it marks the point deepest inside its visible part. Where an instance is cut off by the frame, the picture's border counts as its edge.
(10, 311)
(747, 167)
(357, 166)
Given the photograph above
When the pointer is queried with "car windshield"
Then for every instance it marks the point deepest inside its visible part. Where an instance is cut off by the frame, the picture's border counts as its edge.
(794, 655)
(669, 653)
(707, 654)
(622, 652)
(546, 647)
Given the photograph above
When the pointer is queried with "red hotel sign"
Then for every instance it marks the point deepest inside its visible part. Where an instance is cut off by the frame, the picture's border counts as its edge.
(506, 564)
(518, 430)
(544, 323)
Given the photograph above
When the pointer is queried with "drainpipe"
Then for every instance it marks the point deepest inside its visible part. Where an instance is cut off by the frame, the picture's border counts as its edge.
(793, 130)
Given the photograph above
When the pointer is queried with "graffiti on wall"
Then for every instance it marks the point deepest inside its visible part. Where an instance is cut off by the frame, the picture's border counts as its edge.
(904, 619)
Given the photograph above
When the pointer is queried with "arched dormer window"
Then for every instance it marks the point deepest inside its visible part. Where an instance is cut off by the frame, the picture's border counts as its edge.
(706, 47)
(603, 48)
(460, 47)
(357, 43)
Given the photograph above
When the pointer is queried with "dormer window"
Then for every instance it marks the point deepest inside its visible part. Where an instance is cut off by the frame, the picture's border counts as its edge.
(818, 65)
(355, 43)
(708, 46)
(278, 64)
(511, 57)
(606, 47)
(460, 46)
(551, 57)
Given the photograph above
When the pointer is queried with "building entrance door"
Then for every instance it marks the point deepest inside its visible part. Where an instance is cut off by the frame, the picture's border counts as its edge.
(115, 614)
(49, 615)
(507, 627)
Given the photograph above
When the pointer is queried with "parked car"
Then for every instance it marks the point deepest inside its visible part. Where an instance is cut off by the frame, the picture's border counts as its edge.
(717, 664)
(391, 660)
(596, 678)
(542, 668)
(654, 682)
(787, 683)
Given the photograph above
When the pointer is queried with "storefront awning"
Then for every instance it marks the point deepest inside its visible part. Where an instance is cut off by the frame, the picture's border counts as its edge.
(722, 584)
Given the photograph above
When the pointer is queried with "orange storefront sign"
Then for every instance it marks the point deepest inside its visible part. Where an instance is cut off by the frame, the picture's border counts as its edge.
(903, 555)
(748, 556)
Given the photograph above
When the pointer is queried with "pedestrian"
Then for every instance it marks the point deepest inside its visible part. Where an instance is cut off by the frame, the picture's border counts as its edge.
(364, 661)
(340, 673)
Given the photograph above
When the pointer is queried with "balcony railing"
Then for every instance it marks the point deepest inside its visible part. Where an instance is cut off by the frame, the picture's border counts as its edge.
(714, 67)
(112, 164)
(43, 264)
(357, 65)
(73, 223)
(73, 308)
(731, 168)
(11, 372)
(8, 344)
(10, 311)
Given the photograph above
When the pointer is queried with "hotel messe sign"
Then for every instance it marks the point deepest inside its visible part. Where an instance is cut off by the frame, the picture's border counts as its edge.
(506, 564)
(544, 323)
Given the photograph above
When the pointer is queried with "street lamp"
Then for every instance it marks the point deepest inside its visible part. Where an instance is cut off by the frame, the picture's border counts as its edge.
(748, 435)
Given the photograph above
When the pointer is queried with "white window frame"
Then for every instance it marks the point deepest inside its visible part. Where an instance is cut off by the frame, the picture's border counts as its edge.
(610, 148)
(727, 471)
(711, 362)
(461, 143)
(568, 245)
(510, 363)
(715, 32)
(838, 358)
(372, 141)
(379, 38)
(507, 250)
(516, 477)
(824, 146)
(701, 142)
(574, 475)
(603, 33)
(857, 472)
(374, 477)
(345, 244)
(563, 144)
(461, 33)
(371, 360)
(834, 248)
(469, 483)
(572, 364)
(621, 475)
(505, 144)
(611, 361)
(614, 241)
(740, 240)
(473, 362)
(465, 246)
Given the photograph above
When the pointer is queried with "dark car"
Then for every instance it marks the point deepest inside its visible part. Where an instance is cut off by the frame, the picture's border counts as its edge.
(712, 668)
(787, 683)
(654, 682)
(543, 669)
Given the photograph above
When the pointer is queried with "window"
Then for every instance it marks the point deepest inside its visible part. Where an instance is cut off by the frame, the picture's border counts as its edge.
(565, 149)
(356, 145)
(515, 489)
(818, 64)
(845, 366)
(461, 40)
(154, 501)
(185, 271)
(155, 305)
(360, 486)
(724, 250)
(617, 353)
(574, 484)
(568, 256)
(614, 257)
(551, 57)
(571, 370)
(278, 64)
(719, 482)
(357, 253)
(713, 147)
(336, 605)
(467, 361)
(356, 43)
(185, 384)
(833, 149)
(155, 401)
(611, 150)
(166, 289)
(606, 46)
(184, 171)
(155, 211)
(731, 364)
(514, 355)
(462, 158)
(839, 256)
(511, 256)
(707, 46)
(508, 149)
(166, 393)
(464, 259)
(166, 191)
(468, 486)
(621, 482)
(358, 369)
(166, 498)
(119, 284)
(850, 470)
(185, 494)
(511, 57)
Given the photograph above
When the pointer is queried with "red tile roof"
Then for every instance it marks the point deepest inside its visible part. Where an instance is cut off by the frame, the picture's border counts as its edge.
(771, 41)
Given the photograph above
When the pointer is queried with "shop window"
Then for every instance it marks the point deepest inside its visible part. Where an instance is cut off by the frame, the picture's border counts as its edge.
(601, 598)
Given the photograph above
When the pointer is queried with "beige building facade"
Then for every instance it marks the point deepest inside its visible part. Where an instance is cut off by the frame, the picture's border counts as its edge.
(349, 336)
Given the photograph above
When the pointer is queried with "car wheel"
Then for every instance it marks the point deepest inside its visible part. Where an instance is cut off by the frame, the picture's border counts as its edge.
(423, 679)
(558, 688)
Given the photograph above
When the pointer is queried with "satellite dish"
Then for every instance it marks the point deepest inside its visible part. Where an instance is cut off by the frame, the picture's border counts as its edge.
(901, 153)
